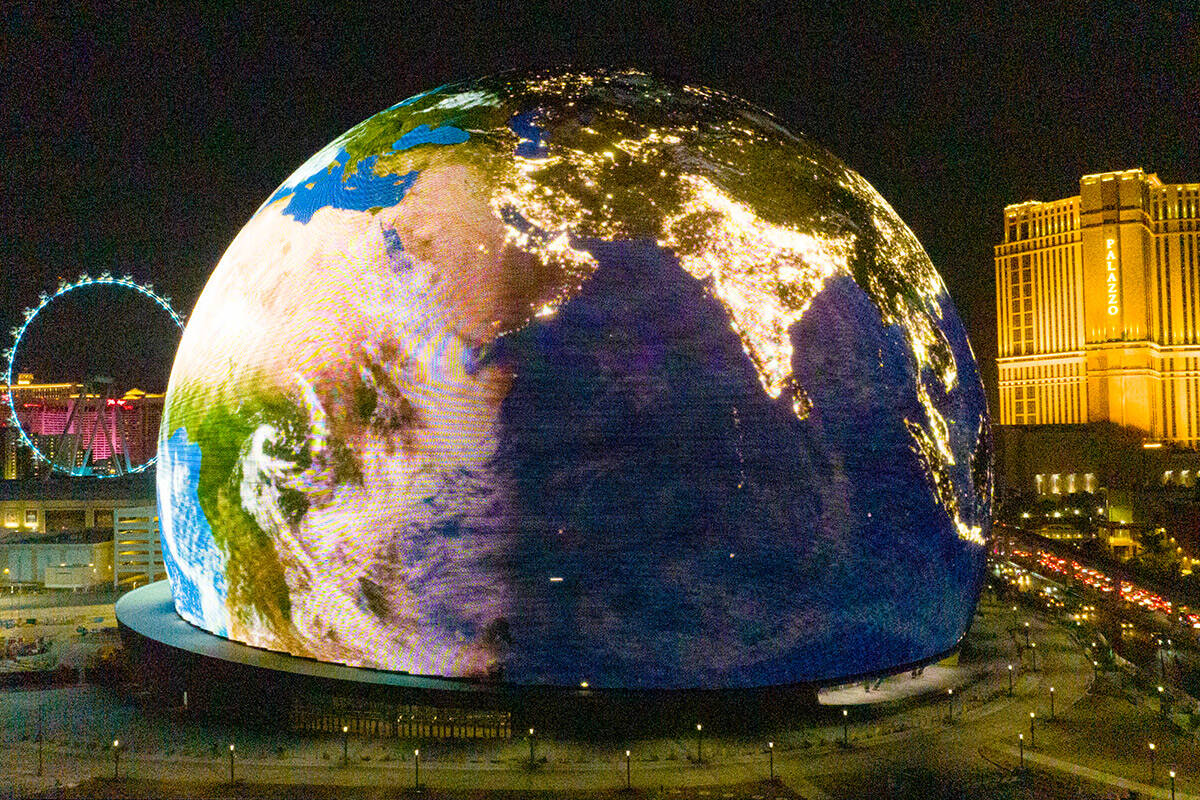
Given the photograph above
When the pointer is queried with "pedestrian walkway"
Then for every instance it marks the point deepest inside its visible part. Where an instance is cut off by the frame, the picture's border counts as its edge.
(932, 680)
(899, 732)
(1096, 776)
(801, 786)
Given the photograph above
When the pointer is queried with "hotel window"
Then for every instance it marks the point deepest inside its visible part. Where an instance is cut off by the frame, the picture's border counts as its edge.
(1039, 482)
(1071, 483)
(1167, 476)
(1055, 486)
(31, 518)
(10, 519)
(1089, 482)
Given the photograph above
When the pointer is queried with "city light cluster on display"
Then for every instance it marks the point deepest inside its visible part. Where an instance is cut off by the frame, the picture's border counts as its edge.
(30, 314)
(514, 352)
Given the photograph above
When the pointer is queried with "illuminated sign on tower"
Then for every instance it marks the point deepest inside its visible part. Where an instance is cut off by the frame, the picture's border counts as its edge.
(1110, 265)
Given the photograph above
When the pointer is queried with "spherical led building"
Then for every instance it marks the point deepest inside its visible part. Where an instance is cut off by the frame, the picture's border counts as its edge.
(579, 377)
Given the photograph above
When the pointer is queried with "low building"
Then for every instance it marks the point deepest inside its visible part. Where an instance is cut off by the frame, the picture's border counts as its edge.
(70, 560)
(1123, 540)
(61, 533)
(1060, 532)
(58, 505)
(137, 547)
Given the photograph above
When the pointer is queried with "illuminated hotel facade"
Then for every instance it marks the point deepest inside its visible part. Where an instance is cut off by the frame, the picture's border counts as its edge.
(44, 410)
(1098, 308)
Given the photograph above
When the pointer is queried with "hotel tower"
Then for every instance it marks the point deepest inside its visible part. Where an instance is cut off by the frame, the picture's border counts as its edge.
(1098, 308)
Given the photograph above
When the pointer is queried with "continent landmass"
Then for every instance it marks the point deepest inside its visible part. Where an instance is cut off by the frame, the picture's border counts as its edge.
(711, 192)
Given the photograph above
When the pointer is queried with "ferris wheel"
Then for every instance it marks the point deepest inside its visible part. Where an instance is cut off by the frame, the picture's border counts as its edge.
(82, 428)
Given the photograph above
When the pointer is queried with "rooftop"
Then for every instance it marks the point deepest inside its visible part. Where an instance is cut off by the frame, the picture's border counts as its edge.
(139, 486)
(80, 536)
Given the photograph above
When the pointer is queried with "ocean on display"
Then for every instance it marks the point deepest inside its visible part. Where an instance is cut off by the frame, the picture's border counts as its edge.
(578, 377)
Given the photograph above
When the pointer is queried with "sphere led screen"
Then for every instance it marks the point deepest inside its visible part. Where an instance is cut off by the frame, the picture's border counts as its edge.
(578, 377)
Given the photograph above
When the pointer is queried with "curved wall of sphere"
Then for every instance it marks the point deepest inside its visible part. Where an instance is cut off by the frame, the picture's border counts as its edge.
(574, 378)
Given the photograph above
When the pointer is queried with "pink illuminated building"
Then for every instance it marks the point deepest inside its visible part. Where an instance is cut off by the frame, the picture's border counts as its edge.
(76, 427)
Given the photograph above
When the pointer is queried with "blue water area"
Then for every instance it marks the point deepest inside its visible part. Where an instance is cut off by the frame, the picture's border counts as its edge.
(861, 377)
(639, 429)
(189, 551)
(423, 134)
(362, 190)
(532, 143)
(654, 475)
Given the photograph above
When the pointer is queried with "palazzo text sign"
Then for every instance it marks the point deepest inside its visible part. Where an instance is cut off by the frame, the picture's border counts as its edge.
(1110, 275)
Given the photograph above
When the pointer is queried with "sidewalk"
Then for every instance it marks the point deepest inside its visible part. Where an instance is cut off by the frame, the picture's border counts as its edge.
(988, 628)
(1103, 778)
(933, 680)
(79, 722)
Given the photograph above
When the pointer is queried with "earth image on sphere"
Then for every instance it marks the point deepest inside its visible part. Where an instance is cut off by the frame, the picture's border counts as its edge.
(577, 377)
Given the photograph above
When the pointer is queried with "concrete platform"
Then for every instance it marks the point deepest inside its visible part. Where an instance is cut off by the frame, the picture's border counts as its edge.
(149, 613)
(250, 685)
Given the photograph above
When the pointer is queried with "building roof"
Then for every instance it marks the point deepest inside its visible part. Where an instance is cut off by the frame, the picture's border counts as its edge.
(136, 487)
(83, 536)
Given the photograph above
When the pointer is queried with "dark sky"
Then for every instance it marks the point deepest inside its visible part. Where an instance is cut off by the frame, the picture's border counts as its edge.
(142, 142)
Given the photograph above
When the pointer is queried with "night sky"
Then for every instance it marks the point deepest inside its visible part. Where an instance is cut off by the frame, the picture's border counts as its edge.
(142, 142)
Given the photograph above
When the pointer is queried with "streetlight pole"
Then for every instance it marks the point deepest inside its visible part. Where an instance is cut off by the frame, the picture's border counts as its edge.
(531, 748)
(699, 743)
(417, 770)
(1162, 704)
(771, 755)
(950, 698)
(627, 786)
(1051, 702)
(345, 745)
(1031, 717)
(1010, 680)
(1033, 654)
(845, 727)
(1027, 634)
(1153, 764)
(1021, 747)
(231, 763)
(116, 757)
(1172, 774)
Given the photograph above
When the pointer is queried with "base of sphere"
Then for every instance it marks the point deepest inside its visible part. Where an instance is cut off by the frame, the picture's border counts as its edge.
(246, 685)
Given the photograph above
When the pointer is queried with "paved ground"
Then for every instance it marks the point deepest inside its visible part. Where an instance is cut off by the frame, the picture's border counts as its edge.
(103, 787)
(932, 680)
(49, 598)
(902, 746)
